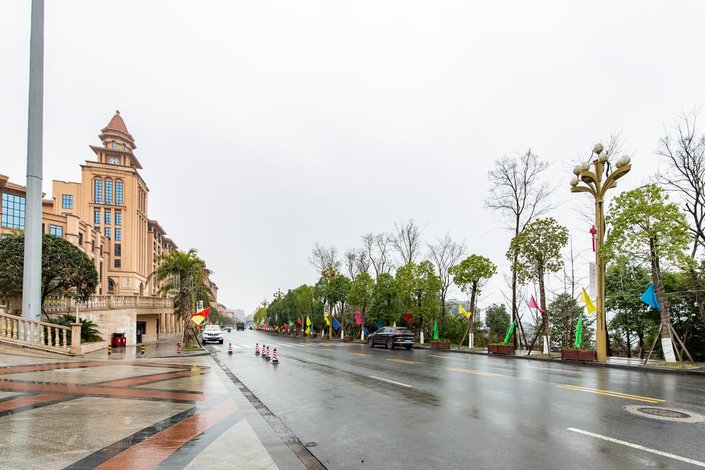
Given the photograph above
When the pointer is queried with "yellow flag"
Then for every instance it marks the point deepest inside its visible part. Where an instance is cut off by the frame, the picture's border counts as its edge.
(463, 311)
(585, 298)
(394, 325)
(327, 320)
(308, 330)
(308, 321)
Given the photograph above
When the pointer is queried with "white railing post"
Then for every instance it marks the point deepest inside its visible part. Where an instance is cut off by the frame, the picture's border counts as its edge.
(75, 338)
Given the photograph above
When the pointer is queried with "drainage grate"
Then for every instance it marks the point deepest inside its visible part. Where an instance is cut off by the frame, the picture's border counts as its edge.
(665, 414)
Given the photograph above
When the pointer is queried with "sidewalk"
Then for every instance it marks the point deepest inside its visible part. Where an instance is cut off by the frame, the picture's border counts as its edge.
(130, 412)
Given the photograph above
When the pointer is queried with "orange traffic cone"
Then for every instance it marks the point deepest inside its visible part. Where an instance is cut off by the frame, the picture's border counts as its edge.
(267, 356)
(275, 359)
(230, 348)
(256, 349)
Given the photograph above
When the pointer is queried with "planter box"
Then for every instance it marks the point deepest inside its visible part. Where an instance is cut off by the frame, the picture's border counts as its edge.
(440, 345)
(504, 349)
(569, 354)
(347, 339)
(587, 355)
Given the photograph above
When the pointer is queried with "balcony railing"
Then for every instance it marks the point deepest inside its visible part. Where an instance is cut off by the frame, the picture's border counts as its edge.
(40, 335)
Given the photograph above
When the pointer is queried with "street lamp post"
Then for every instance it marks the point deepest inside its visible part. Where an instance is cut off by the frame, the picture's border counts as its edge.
(597, 181)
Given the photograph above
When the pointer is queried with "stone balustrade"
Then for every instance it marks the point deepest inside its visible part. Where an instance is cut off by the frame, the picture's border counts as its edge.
(40, 335)
(58, 305)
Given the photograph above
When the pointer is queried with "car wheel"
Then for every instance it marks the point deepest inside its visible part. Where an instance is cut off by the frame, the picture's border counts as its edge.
(408, 347)
(390, 344)
(371, 343)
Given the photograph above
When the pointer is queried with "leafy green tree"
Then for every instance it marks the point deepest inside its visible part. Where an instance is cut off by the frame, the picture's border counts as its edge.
(537, 251)
(565, 312)
(419, 291)
(303, 297)
(632, 323)
(260, 314)
(184, 276)
(385, 304)
(361, 293)
(497, 320)
(645, 228)
(66, 270)
(470, 275)
(339, 287)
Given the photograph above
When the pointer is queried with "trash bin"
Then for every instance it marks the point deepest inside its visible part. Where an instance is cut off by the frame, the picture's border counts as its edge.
(118, 340)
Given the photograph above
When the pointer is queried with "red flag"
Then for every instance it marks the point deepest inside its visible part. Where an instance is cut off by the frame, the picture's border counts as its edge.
(358, 319)
(202, 313)
(299, 322)
(533, 304)
(407, 316)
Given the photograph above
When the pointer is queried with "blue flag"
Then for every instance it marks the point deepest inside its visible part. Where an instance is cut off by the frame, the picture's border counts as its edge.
(367, 332)
(336, 325)
(649, 298)
(379, 324)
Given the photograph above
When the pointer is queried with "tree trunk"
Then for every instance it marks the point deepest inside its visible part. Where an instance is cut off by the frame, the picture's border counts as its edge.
(666, 340)
(544, 313)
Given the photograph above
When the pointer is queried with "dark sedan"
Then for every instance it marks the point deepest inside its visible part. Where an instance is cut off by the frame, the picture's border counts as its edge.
(391, 337)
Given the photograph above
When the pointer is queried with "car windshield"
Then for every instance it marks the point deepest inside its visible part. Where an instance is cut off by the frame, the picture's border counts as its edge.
(403, 330)
(212, 328)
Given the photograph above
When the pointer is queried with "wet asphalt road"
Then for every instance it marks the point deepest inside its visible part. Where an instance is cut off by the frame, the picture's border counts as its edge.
(357, 407)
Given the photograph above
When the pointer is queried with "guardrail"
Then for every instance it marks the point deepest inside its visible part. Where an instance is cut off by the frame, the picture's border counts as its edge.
(40, 335)
(105, 302)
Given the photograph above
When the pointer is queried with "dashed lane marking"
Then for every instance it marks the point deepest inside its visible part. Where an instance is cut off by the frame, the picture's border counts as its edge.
(474, 372)
(639, 447)
(390, 381)
(609, 393)
(359, 354)
(403, 361)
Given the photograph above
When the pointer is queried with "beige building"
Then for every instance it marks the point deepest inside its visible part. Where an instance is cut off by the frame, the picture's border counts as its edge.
(106, 216)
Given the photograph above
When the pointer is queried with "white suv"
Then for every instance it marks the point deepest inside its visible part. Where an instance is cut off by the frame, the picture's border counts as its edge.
(211, 334)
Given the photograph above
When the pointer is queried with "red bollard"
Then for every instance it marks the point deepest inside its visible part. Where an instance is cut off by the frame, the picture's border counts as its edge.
(256, 349)
(230, 348)
(275, 359)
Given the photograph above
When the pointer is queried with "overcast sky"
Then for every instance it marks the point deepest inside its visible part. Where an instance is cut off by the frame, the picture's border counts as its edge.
(265, 126)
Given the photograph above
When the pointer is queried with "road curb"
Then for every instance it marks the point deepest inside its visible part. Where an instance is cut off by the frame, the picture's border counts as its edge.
(661, 370)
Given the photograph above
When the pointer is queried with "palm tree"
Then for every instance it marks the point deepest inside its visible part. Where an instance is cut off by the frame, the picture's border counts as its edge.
(184, 276)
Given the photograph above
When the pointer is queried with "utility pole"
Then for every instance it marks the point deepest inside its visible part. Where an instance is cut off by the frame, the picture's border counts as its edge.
(32, 278)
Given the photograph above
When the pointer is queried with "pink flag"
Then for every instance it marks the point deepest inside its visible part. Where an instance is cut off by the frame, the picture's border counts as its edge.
(533, 304)
(358, 318)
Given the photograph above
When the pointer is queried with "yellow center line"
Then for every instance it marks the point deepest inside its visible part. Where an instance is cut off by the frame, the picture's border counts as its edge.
(403, 361)
(609, 393)
(359, 354)
(475, 372)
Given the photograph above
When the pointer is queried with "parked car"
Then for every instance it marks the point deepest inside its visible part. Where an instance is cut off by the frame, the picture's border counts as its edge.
(391, 337)
(240, 326)
(212, 334)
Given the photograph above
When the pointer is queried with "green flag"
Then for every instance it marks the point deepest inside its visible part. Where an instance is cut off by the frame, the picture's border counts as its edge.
(579, 332)
(291, 323)
(510, 332)
(435, 331)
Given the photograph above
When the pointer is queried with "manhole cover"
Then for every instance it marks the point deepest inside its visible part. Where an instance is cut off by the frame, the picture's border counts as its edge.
(665, 414)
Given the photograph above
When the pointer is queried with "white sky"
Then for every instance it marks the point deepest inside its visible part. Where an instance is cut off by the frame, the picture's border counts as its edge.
(265, 126)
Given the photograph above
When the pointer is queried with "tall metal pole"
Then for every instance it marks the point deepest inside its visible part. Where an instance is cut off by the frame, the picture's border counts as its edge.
(32, 280)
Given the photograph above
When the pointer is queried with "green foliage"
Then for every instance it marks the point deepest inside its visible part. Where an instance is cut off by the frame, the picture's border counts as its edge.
(565, 312)
(386, 306)
(497, 320)
(184, 277)
(89, 330)
(260, 315)
(538, 249)
(361, 292)
(471, 274)
(66, 270)
(303, 298)
(419, 289)
(645, 227)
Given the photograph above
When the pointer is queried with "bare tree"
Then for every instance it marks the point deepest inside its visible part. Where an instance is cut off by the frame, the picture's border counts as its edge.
(684, 151)
(377, 249)
(407, 241)
(445, 254)
(351, 263)
(518, 193)
(363, 261)
(323, 257)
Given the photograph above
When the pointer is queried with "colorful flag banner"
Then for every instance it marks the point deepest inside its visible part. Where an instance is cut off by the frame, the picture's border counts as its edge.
(464, 312)
(336, 325)
(291, 323)
(327, 320)
(308, 330)
(649, 298)
(587, 301)
(358, 319)
(394, 325)
(367, 331)
(436, 336)
(308, 321)
(510, 331)
(199, 318)
(579, 331)
(407, 316)
(299, 322)
(379, 324)
(533, 304)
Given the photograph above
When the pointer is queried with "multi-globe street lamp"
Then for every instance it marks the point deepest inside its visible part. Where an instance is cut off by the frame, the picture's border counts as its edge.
(596, 177)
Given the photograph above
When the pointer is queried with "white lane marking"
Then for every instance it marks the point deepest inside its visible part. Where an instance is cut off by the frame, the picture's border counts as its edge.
(637, 446)
(390, 381)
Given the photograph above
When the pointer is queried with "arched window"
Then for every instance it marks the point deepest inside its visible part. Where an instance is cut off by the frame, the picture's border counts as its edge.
(98, 191)
(113, 145)
(111, 285)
